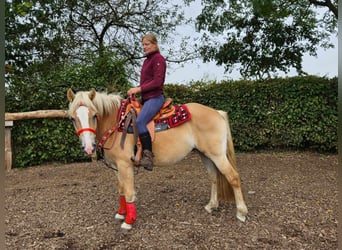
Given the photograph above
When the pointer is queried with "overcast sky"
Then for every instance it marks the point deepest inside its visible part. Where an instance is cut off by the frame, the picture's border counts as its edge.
(325, 64)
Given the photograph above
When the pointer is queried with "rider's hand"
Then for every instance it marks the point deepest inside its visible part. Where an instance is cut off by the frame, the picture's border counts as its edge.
(133, 91)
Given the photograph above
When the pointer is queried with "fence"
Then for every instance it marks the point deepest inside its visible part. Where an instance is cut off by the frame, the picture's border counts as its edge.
(10, 117)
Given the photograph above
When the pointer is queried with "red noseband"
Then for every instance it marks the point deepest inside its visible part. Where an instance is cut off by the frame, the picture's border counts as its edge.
(85, 130)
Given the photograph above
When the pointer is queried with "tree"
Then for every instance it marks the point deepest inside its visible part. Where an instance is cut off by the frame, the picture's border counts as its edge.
(34, 31)
(264, 37)
(118, 26)
(55, 31)
(98, 43)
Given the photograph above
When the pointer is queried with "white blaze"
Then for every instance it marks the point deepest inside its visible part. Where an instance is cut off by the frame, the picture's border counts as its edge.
(87, 137)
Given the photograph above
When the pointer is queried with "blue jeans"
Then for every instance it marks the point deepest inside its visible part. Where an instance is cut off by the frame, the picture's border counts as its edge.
(148, 111)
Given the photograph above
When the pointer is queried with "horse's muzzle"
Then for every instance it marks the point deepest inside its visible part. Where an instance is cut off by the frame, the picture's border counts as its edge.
(89, 149)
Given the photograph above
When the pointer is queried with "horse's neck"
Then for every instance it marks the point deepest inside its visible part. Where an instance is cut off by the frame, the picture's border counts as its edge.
(107, 122)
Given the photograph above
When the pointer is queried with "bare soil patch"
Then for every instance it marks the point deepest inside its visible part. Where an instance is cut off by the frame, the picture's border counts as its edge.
(291, 197)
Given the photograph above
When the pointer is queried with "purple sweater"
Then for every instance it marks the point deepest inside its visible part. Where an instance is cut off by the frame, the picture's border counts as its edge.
(152, 76)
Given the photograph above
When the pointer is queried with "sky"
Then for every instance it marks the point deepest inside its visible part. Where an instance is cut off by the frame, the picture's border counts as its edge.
(324, 64)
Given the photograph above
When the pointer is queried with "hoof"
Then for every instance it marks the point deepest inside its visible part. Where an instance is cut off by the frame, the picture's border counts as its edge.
(208, 209)
(211, 206)
(119, 217)
(241, 217)
(242, 213)
(125, 227)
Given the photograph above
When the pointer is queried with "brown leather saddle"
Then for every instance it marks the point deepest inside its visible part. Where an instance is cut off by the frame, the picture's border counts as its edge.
(132, 110)
(134, 107)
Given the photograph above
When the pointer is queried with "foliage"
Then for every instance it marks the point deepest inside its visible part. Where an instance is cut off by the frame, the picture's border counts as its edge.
(34, 31)
(45, 140)
(46, 90)
(119, 25)
(62, 32)
(264, 37)
(178, 93)
(296, 112)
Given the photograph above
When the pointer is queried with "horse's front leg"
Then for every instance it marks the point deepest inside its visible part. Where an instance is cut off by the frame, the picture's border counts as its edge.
(127, 209)
(121, 213)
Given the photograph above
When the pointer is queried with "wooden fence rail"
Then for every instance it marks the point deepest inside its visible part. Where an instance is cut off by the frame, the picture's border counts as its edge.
(10, 117)
(36, 114)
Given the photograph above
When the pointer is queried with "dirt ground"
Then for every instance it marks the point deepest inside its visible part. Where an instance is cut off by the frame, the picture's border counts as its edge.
(291, 197)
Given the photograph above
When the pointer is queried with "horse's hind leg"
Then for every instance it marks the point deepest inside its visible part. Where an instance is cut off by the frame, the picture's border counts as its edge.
(212, 171)
(233, 178)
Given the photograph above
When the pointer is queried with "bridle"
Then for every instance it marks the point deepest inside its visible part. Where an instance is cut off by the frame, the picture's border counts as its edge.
(103, 139)
(80, 131)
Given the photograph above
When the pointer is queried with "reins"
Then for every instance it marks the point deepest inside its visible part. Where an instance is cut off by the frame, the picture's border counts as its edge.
(130, 117)
(104, 138)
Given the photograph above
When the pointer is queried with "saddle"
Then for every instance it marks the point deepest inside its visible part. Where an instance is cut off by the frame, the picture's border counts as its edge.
(168, 116)
(135, 106)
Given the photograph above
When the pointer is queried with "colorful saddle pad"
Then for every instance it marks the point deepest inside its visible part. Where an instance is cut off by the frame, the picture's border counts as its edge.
(180, 115)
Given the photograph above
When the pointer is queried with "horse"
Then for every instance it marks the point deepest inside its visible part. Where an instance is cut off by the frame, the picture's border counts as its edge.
(94, 116)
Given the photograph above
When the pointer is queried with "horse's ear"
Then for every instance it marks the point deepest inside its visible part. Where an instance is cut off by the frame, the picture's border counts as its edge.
(92, 94)
(70, 95)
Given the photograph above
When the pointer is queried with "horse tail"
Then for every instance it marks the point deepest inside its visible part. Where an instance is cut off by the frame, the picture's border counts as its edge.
(224, 189)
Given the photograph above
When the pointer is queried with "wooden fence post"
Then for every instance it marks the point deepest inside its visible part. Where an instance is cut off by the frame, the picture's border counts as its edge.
(8, 147)
(10, 117)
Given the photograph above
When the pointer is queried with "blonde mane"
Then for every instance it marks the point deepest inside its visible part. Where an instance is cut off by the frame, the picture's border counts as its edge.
(103, 103)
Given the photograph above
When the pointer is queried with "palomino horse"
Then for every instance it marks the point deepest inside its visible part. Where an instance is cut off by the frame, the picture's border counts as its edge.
(94, 114)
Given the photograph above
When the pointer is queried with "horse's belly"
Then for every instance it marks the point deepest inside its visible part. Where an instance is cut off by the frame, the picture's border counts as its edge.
(172, 146)
(169, 157)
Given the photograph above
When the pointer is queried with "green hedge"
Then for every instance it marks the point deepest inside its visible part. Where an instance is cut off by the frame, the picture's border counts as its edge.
(295, 113)
(291, 113)
(45, 140)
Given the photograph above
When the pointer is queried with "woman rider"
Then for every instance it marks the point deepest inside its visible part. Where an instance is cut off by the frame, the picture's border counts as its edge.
(151, 86)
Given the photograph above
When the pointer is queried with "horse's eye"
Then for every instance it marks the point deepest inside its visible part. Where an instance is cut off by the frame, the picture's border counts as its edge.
(72, 119)
(94, 118)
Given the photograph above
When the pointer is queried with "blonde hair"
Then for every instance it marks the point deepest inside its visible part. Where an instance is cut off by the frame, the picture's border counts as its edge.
(151, 38)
